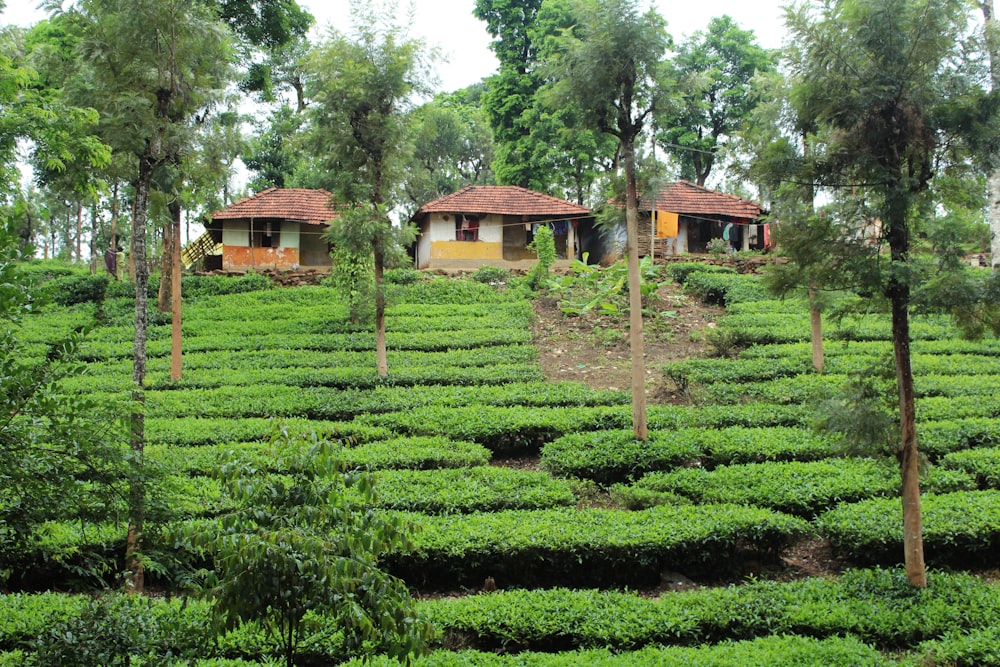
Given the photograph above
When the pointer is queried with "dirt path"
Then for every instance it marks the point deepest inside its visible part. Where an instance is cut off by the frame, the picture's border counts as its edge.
(594, 350)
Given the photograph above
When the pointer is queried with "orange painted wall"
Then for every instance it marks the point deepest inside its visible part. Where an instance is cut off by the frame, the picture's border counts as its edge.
(242, 257)
(466, 250)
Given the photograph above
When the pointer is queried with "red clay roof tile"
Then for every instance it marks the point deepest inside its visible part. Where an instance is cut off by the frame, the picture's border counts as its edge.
(502, 200)
(686, 197)
(309, 206)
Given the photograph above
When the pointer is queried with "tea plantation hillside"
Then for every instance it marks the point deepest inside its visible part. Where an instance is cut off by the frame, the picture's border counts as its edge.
(575, 561)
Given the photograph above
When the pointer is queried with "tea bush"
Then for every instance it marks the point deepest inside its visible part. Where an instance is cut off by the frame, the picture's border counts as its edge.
(959, 529)
(590, 547)
(796, 487)
(983, 463)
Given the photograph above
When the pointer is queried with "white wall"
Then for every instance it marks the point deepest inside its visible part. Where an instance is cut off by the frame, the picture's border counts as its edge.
(236, 232)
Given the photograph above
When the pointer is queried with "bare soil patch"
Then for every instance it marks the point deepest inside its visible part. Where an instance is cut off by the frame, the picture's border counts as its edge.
(595, 349)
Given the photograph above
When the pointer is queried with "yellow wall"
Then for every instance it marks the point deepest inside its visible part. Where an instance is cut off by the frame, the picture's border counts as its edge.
(240, 257)
(466, 250)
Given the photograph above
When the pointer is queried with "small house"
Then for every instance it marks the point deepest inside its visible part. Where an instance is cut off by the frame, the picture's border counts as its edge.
(494, 224)
(277, 228)
(684, 217)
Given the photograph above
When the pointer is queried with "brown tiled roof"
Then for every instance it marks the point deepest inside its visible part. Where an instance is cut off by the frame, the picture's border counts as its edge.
(309, 206)
(686, 197)
(502, 200)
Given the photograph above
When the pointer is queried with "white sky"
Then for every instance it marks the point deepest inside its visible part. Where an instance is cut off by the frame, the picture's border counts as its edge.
(462, 38)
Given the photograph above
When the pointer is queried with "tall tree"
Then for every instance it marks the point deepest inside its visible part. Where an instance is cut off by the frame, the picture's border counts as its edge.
(609, 67)
(451, 146)
(363, 89)
(887, 80)
(149, 66)
(716, 69)
(32, 108)
(512, 88)
(991, 28)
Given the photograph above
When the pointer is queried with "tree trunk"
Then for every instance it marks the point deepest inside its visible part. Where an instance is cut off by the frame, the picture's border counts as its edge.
(994, 216)
(899, 299)
(94, 228)
(381, 360)
(816, 329)
(992, 31)
(137, 491)
(913, 545)
(166, 267)
(79, 231)
(175, 290)
(634, 297)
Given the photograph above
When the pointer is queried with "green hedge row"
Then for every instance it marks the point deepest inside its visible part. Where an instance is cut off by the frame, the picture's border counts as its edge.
(100, 350)
(763, 328)
(165, 631)
(190, 432)
(225, 360)
(778, 651)
(428, 453)
(802, 488)
(532, 548)
(724, 288)
(679, 271)
(939, 408)
(616, 456)
(936, 439)
(325, 324)
(757, 369)
(345, 377)
(180, 628)
(326, 403)
(810, 387)
(443, 491)
(878, 606)
(465, 490)
(526, 429)
(590, 547)
(959, 529)
(613, 455)
(941, 349)
(54, 324)
(983, 463)
(978, 648)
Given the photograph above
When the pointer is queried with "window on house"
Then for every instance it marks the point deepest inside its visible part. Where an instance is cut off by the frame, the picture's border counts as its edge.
(266, 236)
(466, 228)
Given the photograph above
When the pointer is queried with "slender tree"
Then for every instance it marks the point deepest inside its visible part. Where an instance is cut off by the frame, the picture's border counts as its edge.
(886, 79)
(363, 89)
(992, 32)
(609, 67)
(149, 65)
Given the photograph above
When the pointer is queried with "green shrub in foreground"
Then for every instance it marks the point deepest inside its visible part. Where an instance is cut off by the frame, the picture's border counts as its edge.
(978, 648)
(959, 529)
(777, 651)
(878, 606)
